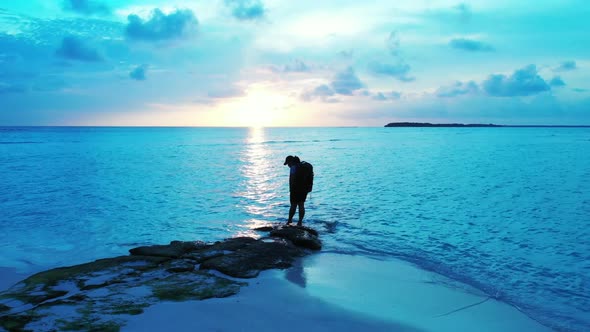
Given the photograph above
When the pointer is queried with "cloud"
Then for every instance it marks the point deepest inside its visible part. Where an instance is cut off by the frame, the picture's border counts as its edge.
(384, 96)
(556, 82)
(346, 82)
(298, 66)
(323, 92)
(74, 49)
(567, 66)
(523, 82)
(161, 27)
(246, 10)
(457, 89)
(139, 73)
(398, 71)
(86, 7)
(379, 96)
(230, 92)
(470, 45)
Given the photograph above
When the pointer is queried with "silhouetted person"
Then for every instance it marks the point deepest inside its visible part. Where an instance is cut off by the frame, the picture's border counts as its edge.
(300, 183)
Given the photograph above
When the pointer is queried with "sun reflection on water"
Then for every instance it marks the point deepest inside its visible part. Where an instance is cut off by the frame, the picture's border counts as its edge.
(260, 190)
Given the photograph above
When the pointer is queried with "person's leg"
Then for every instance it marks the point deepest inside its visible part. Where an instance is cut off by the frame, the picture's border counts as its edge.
(291, 212)
(301, 212)
(293, 201)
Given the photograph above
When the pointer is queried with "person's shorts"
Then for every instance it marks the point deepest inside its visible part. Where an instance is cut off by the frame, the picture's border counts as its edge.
(297, 197)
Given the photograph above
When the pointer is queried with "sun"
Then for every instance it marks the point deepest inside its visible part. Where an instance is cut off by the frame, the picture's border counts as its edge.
(261, 108)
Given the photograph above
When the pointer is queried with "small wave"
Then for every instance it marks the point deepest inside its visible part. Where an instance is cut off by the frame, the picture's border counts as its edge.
(329, 226)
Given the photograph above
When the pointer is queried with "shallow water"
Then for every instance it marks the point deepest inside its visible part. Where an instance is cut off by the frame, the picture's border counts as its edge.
(503, 209)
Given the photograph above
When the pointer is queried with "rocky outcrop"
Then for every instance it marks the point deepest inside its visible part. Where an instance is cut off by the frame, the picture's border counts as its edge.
(299, 236)
(173, 250)
(98, 295)
(248, 261)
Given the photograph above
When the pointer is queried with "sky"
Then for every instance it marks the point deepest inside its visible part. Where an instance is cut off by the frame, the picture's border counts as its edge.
(293, 63)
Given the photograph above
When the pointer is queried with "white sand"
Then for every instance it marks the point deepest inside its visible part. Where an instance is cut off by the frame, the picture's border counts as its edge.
(332, 292)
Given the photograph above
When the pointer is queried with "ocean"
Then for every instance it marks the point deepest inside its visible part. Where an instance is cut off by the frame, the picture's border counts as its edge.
(505, 210)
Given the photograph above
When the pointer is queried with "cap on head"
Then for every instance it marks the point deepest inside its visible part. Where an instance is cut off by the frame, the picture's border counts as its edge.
(289, 160)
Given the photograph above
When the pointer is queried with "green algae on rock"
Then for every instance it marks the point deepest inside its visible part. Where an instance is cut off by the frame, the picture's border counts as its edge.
(16, 322)
(193, 286)
(97, 296)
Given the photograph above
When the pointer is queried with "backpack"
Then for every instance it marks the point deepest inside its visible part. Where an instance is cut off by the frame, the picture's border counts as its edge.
(307, 175)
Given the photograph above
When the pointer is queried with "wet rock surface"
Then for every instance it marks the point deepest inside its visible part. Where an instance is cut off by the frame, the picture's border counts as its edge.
(248, 261)
(99, 295)
(173, 250)
(300, 236)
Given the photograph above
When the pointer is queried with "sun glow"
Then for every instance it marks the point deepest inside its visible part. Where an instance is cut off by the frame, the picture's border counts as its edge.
(260, 108)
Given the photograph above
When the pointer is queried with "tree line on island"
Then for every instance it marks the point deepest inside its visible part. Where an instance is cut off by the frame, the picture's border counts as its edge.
(427, 124)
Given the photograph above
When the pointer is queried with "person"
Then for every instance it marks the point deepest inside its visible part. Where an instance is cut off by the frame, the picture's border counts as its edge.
(298, 187)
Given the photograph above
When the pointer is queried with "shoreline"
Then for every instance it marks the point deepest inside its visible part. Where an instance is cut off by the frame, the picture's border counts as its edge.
(328, 291)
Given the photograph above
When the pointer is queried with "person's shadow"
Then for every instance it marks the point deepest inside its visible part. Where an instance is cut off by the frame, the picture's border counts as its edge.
(296, 274)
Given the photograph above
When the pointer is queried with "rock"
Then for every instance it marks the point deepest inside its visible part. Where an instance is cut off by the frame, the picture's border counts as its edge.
(219, 248)
(96, 296)
(180, 265)
(197, 285)
(52, 277)
(45, 296)
(191, 244)
(16, 322)
(248, 261)
(232, 244)
(300, 236)
(264, 228)
(203, 255)
(173, 250)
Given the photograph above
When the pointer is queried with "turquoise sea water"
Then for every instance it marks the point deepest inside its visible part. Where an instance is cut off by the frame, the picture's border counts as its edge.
(503, 209)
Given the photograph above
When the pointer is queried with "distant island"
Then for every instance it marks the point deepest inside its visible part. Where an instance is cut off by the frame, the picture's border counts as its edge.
(426, 124)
